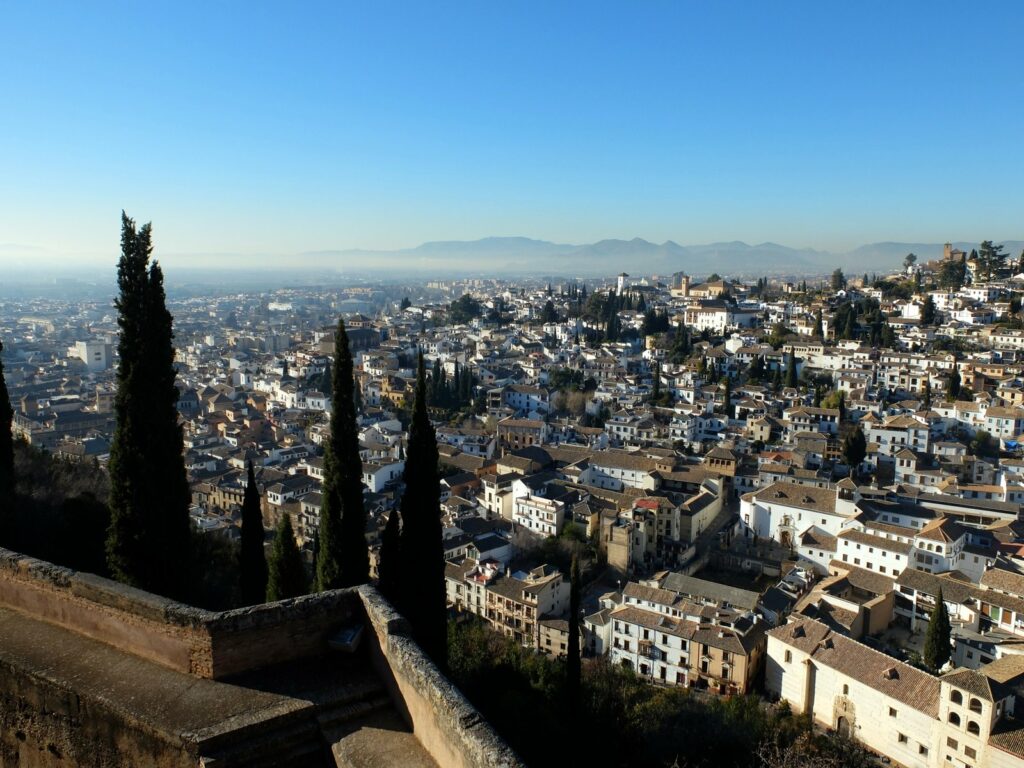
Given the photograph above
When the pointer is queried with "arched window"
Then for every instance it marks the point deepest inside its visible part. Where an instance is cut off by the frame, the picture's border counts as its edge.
(973, 727)
(975, 705)
(956, 697)
(954, 718)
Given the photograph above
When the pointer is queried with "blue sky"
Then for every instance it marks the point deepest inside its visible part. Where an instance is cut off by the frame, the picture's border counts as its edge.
(260, 128)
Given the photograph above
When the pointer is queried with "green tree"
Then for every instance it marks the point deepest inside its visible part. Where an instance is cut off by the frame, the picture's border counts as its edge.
(855, 449)
(983, 444)
(548, 314)
(952, 274)
(421, 589)
(953, 390)
(909, 260)
(838, 279)
(405, 304)
(573, 664)
(818, 327)
(727, 397)
(990, 259)
(252, 559)
(928, 311)
(149, 537)
(6, 454)
(937, 638)
(287, 574)
(464, 309)
(791, 377)
(343, 559)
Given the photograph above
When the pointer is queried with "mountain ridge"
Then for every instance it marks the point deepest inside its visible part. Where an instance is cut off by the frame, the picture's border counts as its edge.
(507, 255)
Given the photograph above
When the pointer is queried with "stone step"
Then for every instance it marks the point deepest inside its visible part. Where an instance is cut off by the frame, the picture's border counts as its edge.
(380, 740)
(288, 744)
(337, 714)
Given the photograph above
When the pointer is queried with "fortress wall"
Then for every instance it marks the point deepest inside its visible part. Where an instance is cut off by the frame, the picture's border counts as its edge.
(446, 724)
(134, 621)
(250, 638)
(187, 639)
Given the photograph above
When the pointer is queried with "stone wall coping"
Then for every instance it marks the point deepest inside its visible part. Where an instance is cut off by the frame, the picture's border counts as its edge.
(464, 727)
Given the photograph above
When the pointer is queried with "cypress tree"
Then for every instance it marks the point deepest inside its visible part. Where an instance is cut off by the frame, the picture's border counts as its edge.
(421, 595)
(286, 574)
(343, 560)
(855, 448)
(954, 382)
(148, 541)
(6, 455)
(573, 662)
(252, 560)
(170, 497)
(937, 639)
(791, 370)
(818, 327)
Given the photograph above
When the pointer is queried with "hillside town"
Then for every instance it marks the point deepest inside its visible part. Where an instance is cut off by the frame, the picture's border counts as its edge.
(778, 486)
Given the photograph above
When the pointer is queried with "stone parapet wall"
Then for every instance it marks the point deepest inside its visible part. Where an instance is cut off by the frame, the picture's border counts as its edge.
(134, 621)
(187, 639)
(450, 728)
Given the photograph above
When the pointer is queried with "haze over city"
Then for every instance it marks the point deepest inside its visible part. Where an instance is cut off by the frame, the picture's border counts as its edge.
(249, 136)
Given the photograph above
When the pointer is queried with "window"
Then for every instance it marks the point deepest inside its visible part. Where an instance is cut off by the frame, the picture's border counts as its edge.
(954, 718)
(892, 712)
(789, 656)
(956, 697)
(901, 738)
(846, 689)
(951, 743)
(975, 705)
(922, 750)
(974, 729)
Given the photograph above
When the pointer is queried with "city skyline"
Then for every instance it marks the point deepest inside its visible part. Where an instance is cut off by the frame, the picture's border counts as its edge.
(245, 133)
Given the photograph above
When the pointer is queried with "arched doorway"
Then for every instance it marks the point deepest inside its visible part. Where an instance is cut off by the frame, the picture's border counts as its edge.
(843, 727)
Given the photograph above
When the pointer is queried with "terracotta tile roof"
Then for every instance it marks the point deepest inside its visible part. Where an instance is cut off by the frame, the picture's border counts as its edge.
(799, 496)
(1004, 581)
(892, 678)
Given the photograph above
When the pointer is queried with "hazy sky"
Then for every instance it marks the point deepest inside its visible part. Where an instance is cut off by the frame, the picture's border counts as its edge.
(271, 128)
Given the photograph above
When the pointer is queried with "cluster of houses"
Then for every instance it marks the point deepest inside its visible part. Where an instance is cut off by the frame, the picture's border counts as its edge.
(707, 466)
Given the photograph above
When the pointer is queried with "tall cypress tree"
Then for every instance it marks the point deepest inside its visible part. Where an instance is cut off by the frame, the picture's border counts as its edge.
(573, 662)
(148, 541)
(343, 560)
(171, 495)
(791, 370)
(286, 574)
(421, 590)
(252, 560)
(937, 638)
(6, 455)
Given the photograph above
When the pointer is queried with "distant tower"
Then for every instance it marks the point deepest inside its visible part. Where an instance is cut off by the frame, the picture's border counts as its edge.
(947, 250)
(621, 283)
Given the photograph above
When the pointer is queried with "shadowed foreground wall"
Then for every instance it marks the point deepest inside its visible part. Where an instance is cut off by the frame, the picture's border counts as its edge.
(94, 673)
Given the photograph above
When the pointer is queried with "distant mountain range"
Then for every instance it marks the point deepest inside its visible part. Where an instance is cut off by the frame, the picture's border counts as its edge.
(522, 255)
